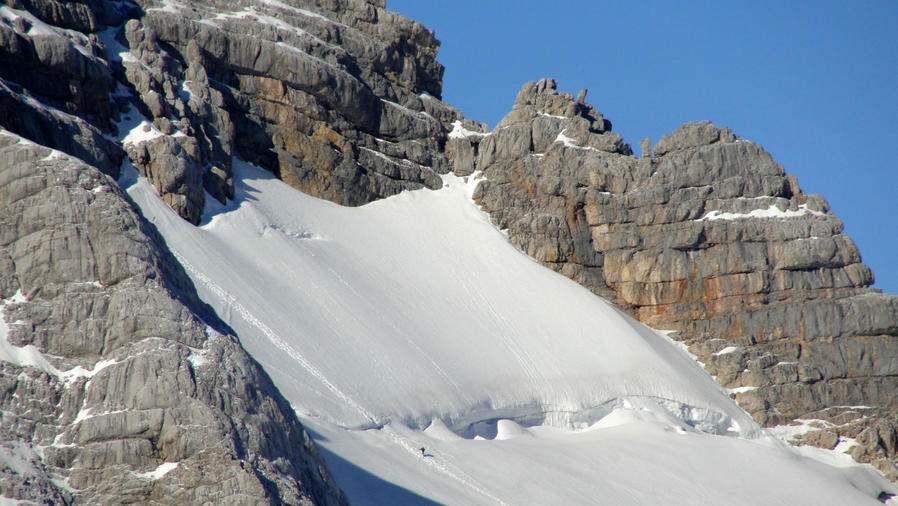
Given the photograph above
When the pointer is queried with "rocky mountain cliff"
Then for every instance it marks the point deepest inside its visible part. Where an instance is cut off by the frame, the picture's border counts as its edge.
(114, 370)
(707, 236)
(118, 384)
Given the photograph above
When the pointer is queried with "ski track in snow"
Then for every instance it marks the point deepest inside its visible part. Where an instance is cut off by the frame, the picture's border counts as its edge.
(444, 468)
(455, 473)
(272, 336)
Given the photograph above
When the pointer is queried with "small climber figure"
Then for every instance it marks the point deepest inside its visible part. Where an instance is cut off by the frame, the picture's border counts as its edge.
(422, 451)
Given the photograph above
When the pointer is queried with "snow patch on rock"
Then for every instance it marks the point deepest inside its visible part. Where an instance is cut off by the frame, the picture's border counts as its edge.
(771, 212)
(460, 132)
(159, 472)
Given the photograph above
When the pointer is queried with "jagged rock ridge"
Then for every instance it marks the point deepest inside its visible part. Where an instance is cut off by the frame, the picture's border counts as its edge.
(341, 101)
(708, 237)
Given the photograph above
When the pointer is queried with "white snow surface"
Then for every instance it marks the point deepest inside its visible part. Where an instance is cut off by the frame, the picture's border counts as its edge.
(138, 130)
(159, 472)
(771, 212)
(172, 6)
(412, 322)
(460, 132)
(416, 307)
(571, 143)
(143, 132)
(741, 390)
(727, 350)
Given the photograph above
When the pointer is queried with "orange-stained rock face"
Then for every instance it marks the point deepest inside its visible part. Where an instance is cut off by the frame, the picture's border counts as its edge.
(710, 239)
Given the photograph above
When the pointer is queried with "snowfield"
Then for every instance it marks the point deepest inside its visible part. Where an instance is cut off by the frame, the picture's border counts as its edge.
(413, 323)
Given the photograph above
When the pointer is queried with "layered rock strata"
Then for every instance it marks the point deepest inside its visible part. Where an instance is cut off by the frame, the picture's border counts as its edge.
(54, 83)
(710, 238)
(340, 101)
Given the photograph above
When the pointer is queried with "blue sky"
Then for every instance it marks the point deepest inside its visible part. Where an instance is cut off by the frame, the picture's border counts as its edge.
(814, 82)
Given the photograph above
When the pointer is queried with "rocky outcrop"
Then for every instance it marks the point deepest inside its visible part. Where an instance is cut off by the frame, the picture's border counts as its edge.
(117, 383)
(85, 16)
(338, 100)
(709, 238)
(55, 87)
(50, 49)
(48, 126)
(540, 118)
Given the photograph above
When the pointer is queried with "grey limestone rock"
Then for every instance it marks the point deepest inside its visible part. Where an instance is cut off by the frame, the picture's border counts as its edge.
(340, 101)
(176, 94)
(86, 16)
(645, 146)
(70, 134)
(137, 371)
(62, 68)
(542, 121)
(55, 89)
(309, 97)
(690, 135)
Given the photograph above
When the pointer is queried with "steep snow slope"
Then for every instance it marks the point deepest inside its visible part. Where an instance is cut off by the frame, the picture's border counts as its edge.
(415, 307)
(411, 322)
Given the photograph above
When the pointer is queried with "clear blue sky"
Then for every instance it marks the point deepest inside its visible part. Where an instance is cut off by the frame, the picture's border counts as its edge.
(814, 82)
